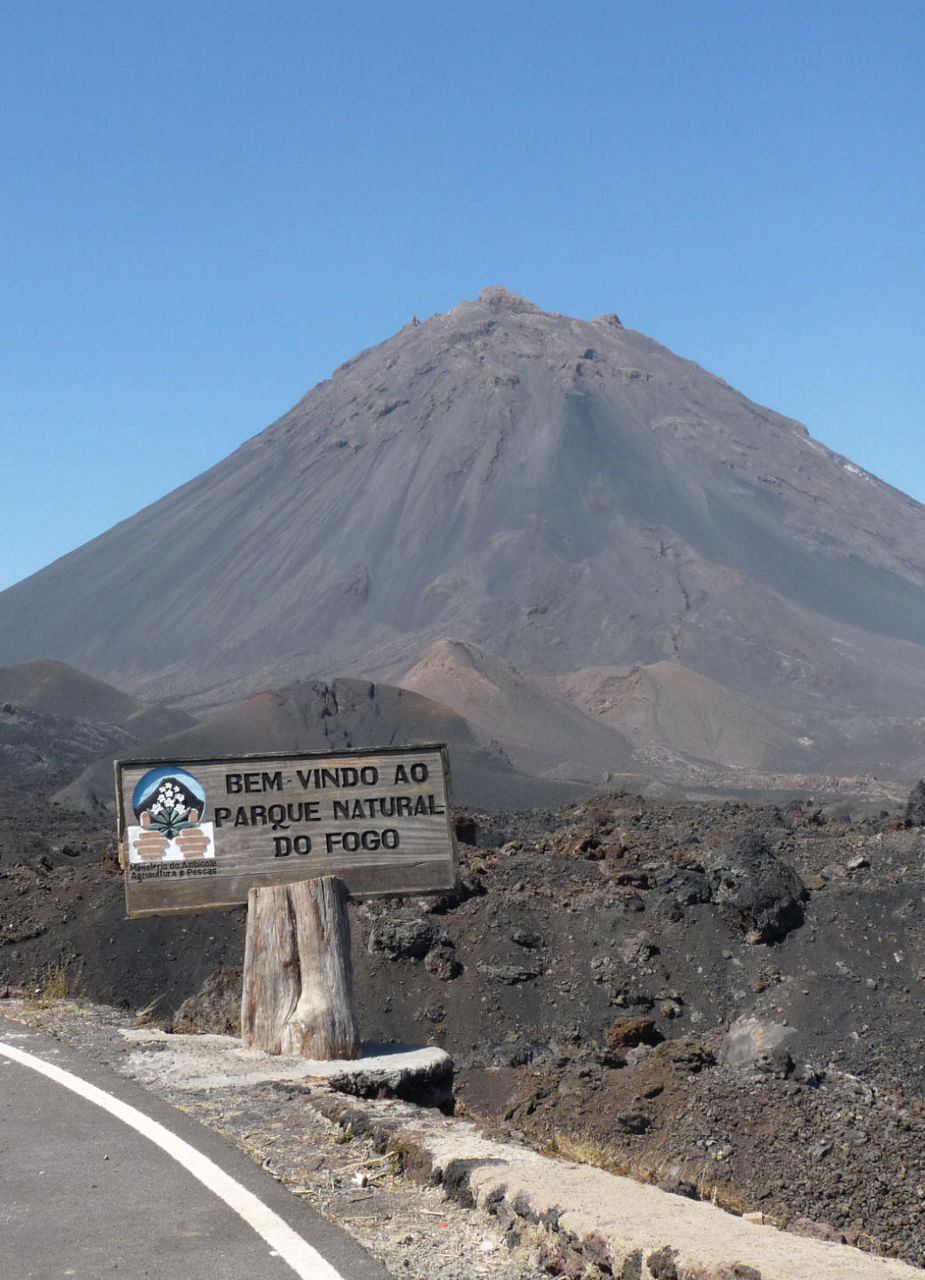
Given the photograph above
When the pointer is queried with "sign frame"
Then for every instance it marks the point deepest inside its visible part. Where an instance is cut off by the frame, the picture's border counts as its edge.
(396, 802)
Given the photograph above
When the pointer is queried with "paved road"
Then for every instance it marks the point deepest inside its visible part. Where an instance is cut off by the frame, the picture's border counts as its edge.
(109, 1181)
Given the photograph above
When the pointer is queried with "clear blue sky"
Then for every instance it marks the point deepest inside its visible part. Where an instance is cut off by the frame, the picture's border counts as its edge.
(207, 207)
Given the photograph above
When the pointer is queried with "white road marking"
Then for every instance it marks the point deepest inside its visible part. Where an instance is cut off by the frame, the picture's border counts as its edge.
(305, 1261)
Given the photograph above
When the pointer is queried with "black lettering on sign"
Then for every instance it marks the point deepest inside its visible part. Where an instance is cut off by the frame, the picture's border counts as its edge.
(365, 807)
(284, 845)
(418, 772)
(221, 815)
(346, 776)
(353, 841)
(281, 815)
(384, 807)
(276, 814)
(235, 783)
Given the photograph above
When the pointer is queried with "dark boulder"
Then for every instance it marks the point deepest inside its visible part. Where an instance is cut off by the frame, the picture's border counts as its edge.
(467, 831)
(758, 895)
(442, 962)
(404, 940)
(687, 887)
(215, 1008)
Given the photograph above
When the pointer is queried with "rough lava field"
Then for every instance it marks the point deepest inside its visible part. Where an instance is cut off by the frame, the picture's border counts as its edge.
(719, 998)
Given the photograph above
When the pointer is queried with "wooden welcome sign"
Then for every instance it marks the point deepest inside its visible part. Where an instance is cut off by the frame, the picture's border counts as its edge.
(197, 835)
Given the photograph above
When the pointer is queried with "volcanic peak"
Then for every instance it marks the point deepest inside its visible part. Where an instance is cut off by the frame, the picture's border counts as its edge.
(560, 495)
(501, 299)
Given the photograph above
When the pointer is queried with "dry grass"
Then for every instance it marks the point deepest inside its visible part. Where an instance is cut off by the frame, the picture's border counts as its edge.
(56, 980)
(652, 1168)
(585, 1150)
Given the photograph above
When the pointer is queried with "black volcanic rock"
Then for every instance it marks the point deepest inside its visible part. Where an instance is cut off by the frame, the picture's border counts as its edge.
(565, 494)
(758, 895)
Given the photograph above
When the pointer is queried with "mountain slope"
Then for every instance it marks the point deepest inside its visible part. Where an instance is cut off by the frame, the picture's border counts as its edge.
(312, 716)
(541, 732)
(565, 494)
(56, 688)
(54, 718)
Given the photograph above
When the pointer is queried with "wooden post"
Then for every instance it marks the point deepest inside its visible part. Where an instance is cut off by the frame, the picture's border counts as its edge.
(298, 974)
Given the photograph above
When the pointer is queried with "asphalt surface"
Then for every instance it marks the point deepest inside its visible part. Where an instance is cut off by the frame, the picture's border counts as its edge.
(84, 1194)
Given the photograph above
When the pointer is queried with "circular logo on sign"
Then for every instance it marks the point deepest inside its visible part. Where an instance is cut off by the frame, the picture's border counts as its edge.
(168, 799)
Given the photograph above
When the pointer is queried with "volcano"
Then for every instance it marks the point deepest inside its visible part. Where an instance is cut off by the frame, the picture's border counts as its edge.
(505, 507)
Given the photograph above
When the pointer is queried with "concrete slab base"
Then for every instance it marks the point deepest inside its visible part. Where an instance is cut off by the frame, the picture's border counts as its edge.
(423, 1075)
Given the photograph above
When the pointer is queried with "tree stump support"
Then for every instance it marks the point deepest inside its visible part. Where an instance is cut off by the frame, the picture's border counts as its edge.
(298, 974)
